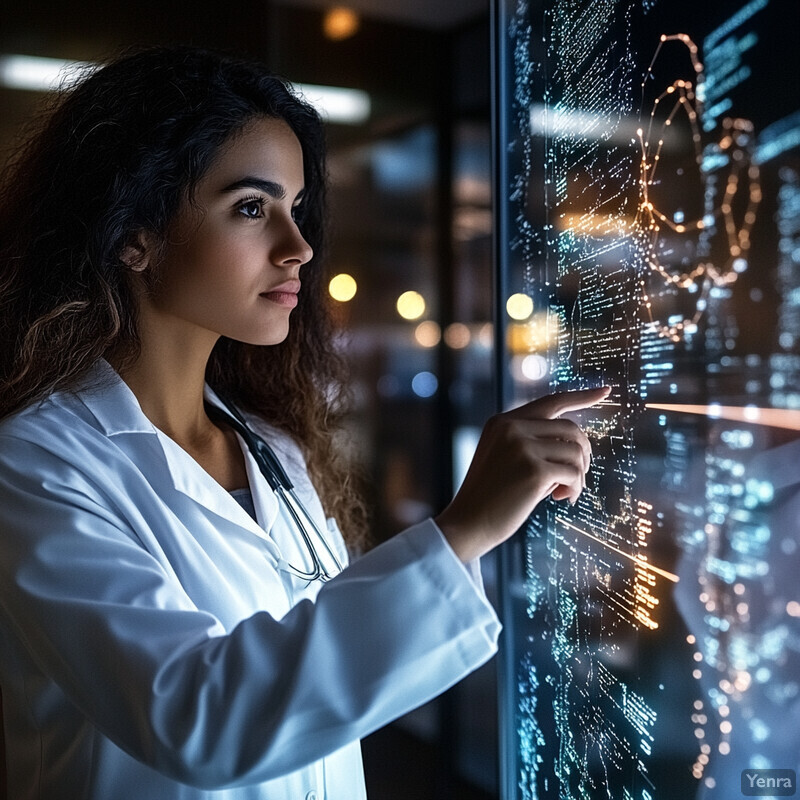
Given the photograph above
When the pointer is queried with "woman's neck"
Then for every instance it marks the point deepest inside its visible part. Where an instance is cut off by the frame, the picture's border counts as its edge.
(168, 378)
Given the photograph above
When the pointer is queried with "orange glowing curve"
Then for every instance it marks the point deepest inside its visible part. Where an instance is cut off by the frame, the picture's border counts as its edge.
(638, 560)
(772, 417)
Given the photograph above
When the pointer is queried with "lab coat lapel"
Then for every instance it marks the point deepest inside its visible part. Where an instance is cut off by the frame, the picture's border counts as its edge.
(189, 478)
(264, 500)
(117, 410)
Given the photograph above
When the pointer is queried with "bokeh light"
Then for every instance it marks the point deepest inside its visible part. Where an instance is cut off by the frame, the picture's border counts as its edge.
(519, 306)
(424, 384)
(457, 335)
(428, 333)
(411, 305)
(343, 287)
(340, 23)
(534, 367)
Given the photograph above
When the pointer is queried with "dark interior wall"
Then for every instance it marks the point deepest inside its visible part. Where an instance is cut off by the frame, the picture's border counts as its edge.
(399, 65)
(92, 29)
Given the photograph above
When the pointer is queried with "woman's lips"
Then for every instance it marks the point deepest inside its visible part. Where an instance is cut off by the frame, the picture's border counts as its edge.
(284, 295)
(282, 298)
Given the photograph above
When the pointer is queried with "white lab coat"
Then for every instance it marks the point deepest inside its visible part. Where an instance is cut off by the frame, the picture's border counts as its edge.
(150, 644)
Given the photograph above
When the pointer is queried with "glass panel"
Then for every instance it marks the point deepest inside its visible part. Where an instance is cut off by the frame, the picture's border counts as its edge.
(383, 207)
(648, 168)
(472, 732)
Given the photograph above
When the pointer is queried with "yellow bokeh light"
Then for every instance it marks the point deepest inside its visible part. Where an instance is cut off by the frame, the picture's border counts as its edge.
(535, 335)
(343, 287)
(411, 305)
(519, 306)
(428, 334)
(340, 23)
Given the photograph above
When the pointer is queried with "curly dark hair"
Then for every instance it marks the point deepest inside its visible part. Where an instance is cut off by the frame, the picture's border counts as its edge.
(117, 155)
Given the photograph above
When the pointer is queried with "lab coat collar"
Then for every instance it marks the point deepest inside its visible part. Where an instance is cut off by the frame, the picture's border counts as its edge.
(112, 403)
(117, 411)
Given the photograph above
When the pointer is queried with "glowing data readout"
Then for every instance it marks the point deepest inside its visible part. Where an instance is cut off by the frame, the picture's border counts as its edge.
(649, 184)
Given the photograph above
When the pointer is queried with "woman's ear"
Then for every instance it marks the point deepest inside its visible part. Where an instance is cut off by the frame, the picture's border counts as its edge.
(136, 254)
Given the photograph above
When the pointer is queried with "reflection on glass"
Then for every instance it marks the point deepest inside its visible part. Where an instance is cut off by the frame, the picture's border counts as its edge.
(652, 202)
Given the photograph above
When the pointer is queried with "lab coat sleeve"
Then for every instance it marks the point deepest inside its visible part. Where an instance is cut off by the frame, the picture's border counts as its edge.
(162, 679)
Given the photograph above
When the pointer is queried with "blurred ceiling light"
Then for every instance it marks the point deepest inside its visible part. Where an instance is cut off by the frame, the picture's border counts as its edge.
(411, 305)
(428, 333)
(561, 122)
(457, 335)
(470, 223)
(519, 306)
(335, 104)
(340, 23)
(474, 190)
(343, 287)
(40, 74)
(590, 224)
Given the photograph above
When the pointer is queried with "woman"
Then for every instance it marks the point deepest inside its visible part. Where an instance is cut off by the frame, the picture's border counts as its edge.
(171, 618)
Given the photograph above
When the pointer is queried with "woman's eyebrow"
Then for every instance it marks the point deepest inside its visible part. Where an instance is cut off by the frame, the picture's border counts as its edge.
(274, 190)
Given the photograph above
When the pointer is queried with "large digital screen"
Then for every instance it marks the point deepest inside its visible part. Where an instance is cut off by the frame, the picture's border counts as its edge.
(648, 199)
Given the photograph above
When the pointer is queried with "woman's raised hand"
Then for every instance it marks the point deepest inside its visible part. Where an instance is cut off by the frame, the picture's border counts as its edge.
(523, 456)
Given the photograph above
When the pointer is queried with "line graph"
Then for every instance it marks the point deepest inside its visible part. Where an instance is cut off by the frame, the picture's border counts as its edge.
(725, 179)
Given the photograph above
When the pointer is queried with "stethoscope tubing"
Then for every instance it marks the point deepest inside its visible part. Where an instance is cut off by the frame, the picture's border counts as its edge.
(271, 468)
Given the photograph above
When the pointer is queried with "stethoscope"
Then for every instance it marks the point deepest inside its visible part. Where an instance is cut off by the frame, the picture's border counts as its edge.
(275, 475)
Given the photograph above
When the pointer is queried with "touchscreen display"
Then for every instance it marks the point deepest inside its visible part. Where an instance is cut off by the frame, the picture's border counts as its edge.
(648, 201)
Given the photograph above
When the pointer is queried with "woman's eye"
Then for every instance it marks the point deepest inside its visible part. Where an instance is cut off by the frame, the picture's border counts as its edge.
(252, 209)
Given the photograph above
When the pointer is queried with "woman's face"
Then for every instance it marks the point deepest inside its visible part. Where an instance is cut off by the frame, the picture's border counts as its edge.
(232, 262)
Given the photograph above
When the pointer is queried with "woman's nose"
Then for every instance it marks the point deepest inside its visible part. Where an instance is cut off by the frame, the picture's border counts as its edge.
(292, 249)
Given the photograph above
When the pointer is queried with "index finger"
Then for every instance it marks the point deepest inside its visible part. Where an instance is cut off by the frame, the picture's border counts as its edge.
(554, 405)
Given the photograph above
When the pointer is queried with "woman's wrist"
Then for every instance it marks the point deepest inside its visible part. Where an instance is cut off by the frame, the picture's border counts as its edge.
(466, 544)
